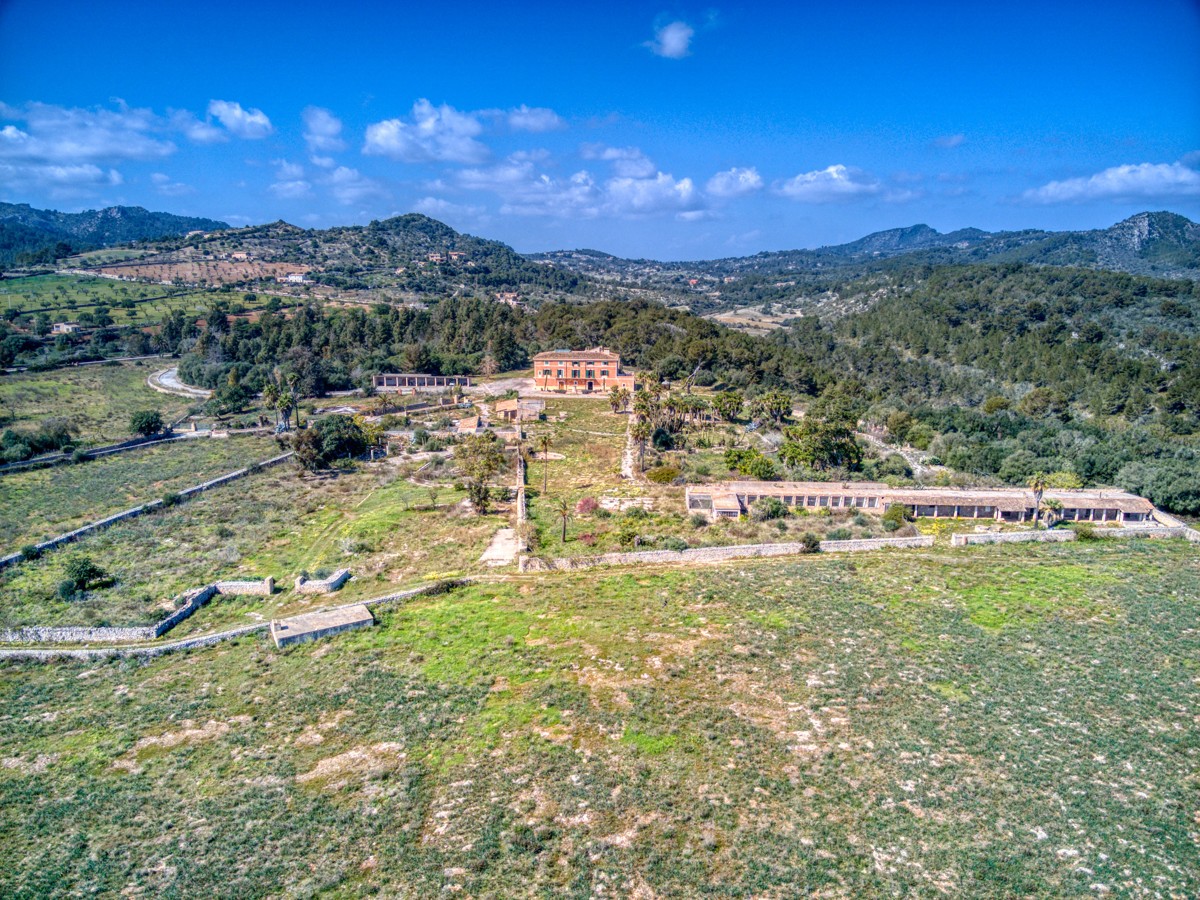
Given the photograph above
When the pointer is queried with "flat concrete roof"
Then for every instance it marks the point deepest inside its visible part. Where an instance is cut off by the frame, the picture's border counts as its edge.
(312, 624)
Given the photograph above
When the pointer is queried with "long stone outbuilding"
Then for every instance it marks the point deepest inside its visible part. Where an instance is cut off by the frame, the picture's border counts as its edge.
(730, 499)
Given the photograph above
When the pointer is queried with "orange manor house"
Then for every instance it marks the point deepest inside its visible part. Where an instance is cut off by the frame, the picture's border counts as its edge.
(580, 371)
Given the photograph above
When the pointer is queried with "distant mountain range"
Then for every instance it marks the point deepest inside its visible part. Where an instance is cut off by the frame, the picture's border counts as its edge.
(34, 235)
(1162, 244)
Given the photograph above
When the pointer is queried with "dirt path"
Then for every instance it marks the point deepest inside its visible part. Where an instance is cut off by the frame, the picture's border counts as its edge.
(628, 454)
(502, 551)
(167, 382)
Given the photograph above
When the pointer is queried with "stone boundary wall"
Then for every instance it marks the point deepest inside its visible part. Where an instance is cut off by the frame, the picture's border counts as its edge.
(190, 601)
(45, 654)
(1164, 532)
(1012, 537)
(712, 554)
(322, 586)
(521, 508)
(144, 508)
(54, 459)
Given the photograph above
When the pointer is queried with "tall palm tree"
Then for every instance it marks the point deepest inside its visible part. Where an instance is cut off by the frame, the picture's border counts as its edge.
(1037, 484)
(545, 442)
(270, 394)
(562, 509)
(641, 431)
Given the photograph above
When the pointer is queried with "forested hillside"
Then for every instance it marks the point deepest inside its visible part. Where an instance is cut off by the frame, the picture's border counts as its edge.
(31, 236)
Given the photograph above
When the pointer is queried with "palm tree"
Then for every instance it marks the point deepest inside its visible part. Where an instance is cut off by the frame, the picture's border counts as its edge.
(1037, 484)
(545, 442)
(614, 399)
(562, 509)
(270, 394)
(641, 431)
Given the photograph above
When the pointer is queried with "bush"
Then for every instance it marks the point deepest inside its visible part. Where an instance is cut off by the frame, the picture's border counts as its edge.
(663, 474)
(66, 590)
(82, 571)
(586, 506)
(171, 499)
(840, 534)
(861, 521)
(30, 552)
(698, 520)
(810, 542)
(895, 515)
(674, 543)
(766, 508)
(603, 513)
(635, 512)
(1086, 532)
(146, 422)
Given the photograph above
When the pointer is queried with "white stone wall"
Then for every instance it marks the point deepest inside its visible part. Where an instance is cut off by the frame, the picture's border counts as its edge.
(1011, 537)
(324, 585)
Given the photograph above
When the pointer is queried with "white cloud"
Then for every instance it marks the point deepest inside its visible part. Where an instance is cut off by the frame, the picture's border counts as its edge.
(168, 188)
(734, 182)
(950, 141)
(537, 119)
(627, 162)
(322, 131)
(433, 134)
(56, 134)
(526, 191)
(195, 130)
(290, 183)
(672, 41)
(251, 124)
(444, 209)
(837, 182)
(1142, 181)
(350, 186)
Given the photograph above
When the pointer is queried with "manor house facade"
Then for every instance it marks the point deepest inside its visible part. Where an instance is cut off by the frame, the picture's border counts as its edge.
(580, 371)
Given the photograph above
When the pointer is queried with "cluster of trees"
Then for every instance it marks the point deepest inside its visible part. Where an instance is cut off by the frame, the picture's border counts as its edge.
(51, 435)
(333, 438)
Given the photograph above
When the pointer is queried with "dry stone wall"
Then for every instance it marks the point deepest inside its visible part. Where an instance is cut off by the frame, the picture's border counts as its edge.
(134, 512)
(712, 554)
(1011, 537)
(323, 585)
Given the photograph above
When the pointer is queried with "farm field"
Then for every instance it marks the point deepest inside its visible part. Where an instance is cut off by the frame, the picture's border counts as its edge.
(999, 722)
(275, 523)
(64, 297)
(40, 503)
(97, 400)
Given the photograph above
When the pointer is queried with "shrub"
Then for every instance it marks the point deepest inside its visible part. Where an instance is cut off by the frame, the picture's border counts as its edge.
(627, 536)
(146, 422)
(30, 552)
(603, 513)
(171, 499)
(636, 512)
(586, 506)
(588, 539)
(810, 542)
(1085, 531)
(840, 534)
(895, 515)
(82, 571)
(861, 521)
(674, 543)
(698, 520)
(66, 590)
(766, 508)
(663, 474)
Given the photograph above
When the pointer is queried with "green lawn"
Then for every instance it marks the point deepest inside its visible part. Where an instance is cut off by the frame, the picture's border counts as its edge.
(97, 400)
(999, 722)
(41, 503)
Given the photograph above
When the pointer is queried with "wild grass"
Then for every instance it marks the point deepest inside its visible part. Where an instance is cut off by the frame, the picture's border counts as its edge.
(97, 400)
(272, 523)
(40, 503)
(829, 727)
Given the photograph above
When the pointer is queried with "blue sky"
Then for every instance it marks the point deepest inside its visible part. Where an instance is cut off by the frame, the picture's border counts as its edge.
(637, 128)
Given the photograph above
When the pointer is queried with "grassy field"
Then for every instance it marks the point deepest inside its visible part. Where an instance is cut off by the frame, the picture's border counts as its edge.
(41, 503)
(274, 523)
(1000, 722)
(97, 400)
(64, 297)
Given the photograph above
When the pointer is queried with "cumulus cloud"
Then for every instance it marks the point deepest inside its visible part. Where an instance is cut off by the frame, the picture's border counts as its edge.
(525, 190)
(537, 119)
(350, 186)
(56, 134)
(828, 185)
(1134, 182)
(196, 130)
(950, 141)
(169, 188)
(59, 180)
(734, 182)
(672, 41)
(430, 134)
(322, 131)
(290, 183)
(251, 124)
(444, 209)
(627, 162)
